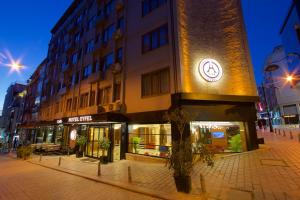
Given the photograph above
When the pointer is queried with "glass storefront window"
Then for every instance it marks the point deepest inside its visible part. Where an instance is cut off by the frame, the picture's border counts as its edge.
(59, 135)
(219, 136)
(150, 139)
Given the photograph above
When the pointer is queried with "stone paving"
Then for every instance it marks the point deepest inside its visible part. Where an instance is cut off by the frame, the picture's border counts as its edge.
(272, 172)
(24, 181)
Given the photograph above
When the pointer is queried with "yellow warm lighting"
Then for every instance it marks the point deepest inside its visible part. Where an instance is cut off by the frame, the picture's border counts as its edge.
(289, 78)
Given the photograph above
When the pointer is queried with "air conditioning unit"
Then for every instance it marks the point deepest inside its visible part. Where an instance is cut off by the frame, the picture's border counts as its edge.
(116, 68)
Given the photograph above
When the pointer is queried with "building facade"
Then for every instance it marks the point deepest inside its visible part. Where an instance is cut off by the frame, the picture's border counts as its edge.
(115, 67)
(12, 110)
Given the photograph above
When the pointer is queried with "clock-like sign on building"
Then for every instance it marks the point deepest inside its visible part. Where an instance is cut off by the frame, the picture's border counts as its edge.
(210, 70)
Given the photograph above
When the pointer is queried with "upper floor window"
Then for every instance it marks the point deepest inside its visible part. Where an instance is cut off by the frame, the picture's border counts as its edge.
(90, 46)
(75, 78)
(120, 23)
(155, 39)
(108, 61)
(74, 106)
(84, 100)
(104, 96)
(87, 71)
(79, 19)
(75, 58)
(92, 98)
(109, 7)
(91, 23)
(150, 5)
(119, 57)
(156, 83)
(69, 105)
(108, 33)
(77, 37)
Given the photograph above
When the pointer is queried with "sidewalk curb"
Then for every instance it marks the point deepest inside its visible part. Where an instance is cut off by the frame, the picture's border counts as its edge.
(134, 189)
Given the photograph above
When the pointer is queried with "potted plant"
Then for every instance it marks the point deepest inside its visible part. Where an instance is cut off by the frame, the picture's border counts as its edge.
(235, 143)
(184, 156)
(104, 146)
(136, 143)
(24, 152)
(80, 141)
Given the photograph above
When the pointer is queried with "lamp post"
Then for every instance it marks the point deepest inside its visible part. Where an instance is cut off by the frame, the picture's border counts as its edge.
(271, 67)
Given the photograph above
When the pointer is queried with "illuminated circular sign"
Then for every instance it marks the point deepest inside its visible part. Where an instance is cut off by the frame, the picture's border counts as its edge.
(210, 70)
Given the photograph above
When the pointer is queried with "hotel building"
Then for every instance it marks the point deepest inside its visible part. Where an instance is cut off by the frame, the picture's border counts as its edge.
(114, 67)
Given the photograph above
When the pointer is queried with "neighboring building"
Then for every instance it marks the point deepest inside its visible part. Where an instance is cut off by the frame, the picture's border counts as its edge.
(12, 109)
(115, 67)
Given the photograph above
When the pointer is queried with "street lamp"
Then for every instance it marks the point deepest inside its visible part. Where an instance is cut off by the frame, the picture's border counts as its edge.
(271, 67)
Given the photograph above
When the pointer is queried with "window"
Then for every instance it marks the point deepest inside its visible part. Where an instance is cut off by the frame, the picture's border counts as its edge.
(156, 83)
(79, 19)
(87, 71)
(153, 139)
(75, 58)
(91, 23)
(74, 104)
(90, 46)
(92, 98)
(77, 37)
(75, 78)
(155, 39)
(108, 33)
(120, 55)
(108, 8)
(69, 105)
(150, 5)
(108, 61)
(120, 23)
(117, 91)
(84, 100)
(56, 110)
(104, 96)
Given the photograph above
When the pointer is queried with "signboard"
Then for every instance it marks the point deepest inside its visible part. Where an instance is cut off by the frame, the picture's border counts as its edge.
(210, 70)
(80, 119)
(59, 121)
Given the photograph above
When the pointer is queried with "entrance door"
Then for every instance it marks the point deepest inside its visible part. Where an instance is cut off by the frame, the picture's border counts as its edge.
(96, 134)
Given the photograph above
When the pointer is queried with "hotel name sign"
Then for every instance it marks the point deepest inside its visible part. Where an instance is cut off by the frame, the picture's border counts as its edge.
(210, 70)
(80, 119)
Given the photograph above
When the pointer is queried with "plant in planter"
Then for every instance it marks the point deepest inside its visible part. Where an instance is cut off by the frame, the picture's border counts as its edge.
(104, 146)
(24, 152)
(136, 143)
(235, 143)
(183, 156)
(80, 141)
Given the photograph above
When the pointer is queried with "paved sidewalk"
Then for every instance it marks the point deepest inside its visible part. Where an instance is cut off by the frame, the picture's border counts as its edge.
(272, 172)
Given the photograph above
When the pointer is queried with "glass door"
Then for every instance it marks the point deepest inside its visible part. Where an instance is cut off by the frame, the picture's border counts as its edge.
(96, 134)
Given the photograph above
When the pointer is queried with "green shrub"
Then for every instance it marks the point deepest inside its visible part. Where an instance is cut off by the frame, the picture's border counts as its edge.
(24, 152)
(235, 143)
(136, 143)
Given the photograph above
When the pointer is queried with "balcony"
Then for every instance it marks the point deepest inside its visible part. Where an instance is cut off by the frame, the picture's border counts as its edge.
(70, 47)
(116, 68)
(99, 48)
(62, 91)
(118, 34)
(119, 5)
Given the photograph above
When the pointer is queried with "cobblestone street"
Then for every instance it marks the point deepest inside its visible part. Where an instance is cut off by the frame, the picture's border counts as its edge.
(272, 172)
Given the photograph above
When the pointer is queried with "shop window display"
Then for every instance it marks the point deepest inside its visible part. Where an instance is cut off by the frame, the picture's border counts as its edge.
(220, 136)
(150, 139)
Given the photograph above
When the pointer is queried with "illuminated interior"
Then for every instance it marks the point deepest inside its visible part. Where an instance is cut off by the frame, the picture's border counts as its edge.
(219, 136)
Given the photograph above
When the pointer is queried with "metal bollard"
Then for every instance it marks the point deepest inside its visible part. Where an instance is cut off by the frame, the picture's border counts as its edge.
(202, 182)
(59, 161)
(129, 174)
(283, 133)
(291, 135)
(99, 168)
(40, 158)
(275, 131)
(279, 132)
(68, 151)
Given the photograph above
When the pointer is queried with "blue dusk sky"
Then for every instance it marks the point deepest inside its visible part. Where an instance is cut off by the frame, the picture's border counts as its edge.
(25, 33)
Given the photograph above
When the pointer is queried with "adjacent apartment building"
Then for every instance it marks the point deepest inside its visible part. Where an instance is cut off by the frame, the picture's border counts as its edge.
(114, 67)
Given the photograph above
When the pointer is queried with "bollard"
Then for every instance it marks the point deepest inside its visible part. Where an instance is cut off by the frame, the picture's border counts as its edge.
(99, 168)
(279, 132)
(202, 183)
(68, 151)
(283, 133)
(275, 131)
(59, 161)
(129, 174)
(40, 158)
(298, 137)
(291, 135)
